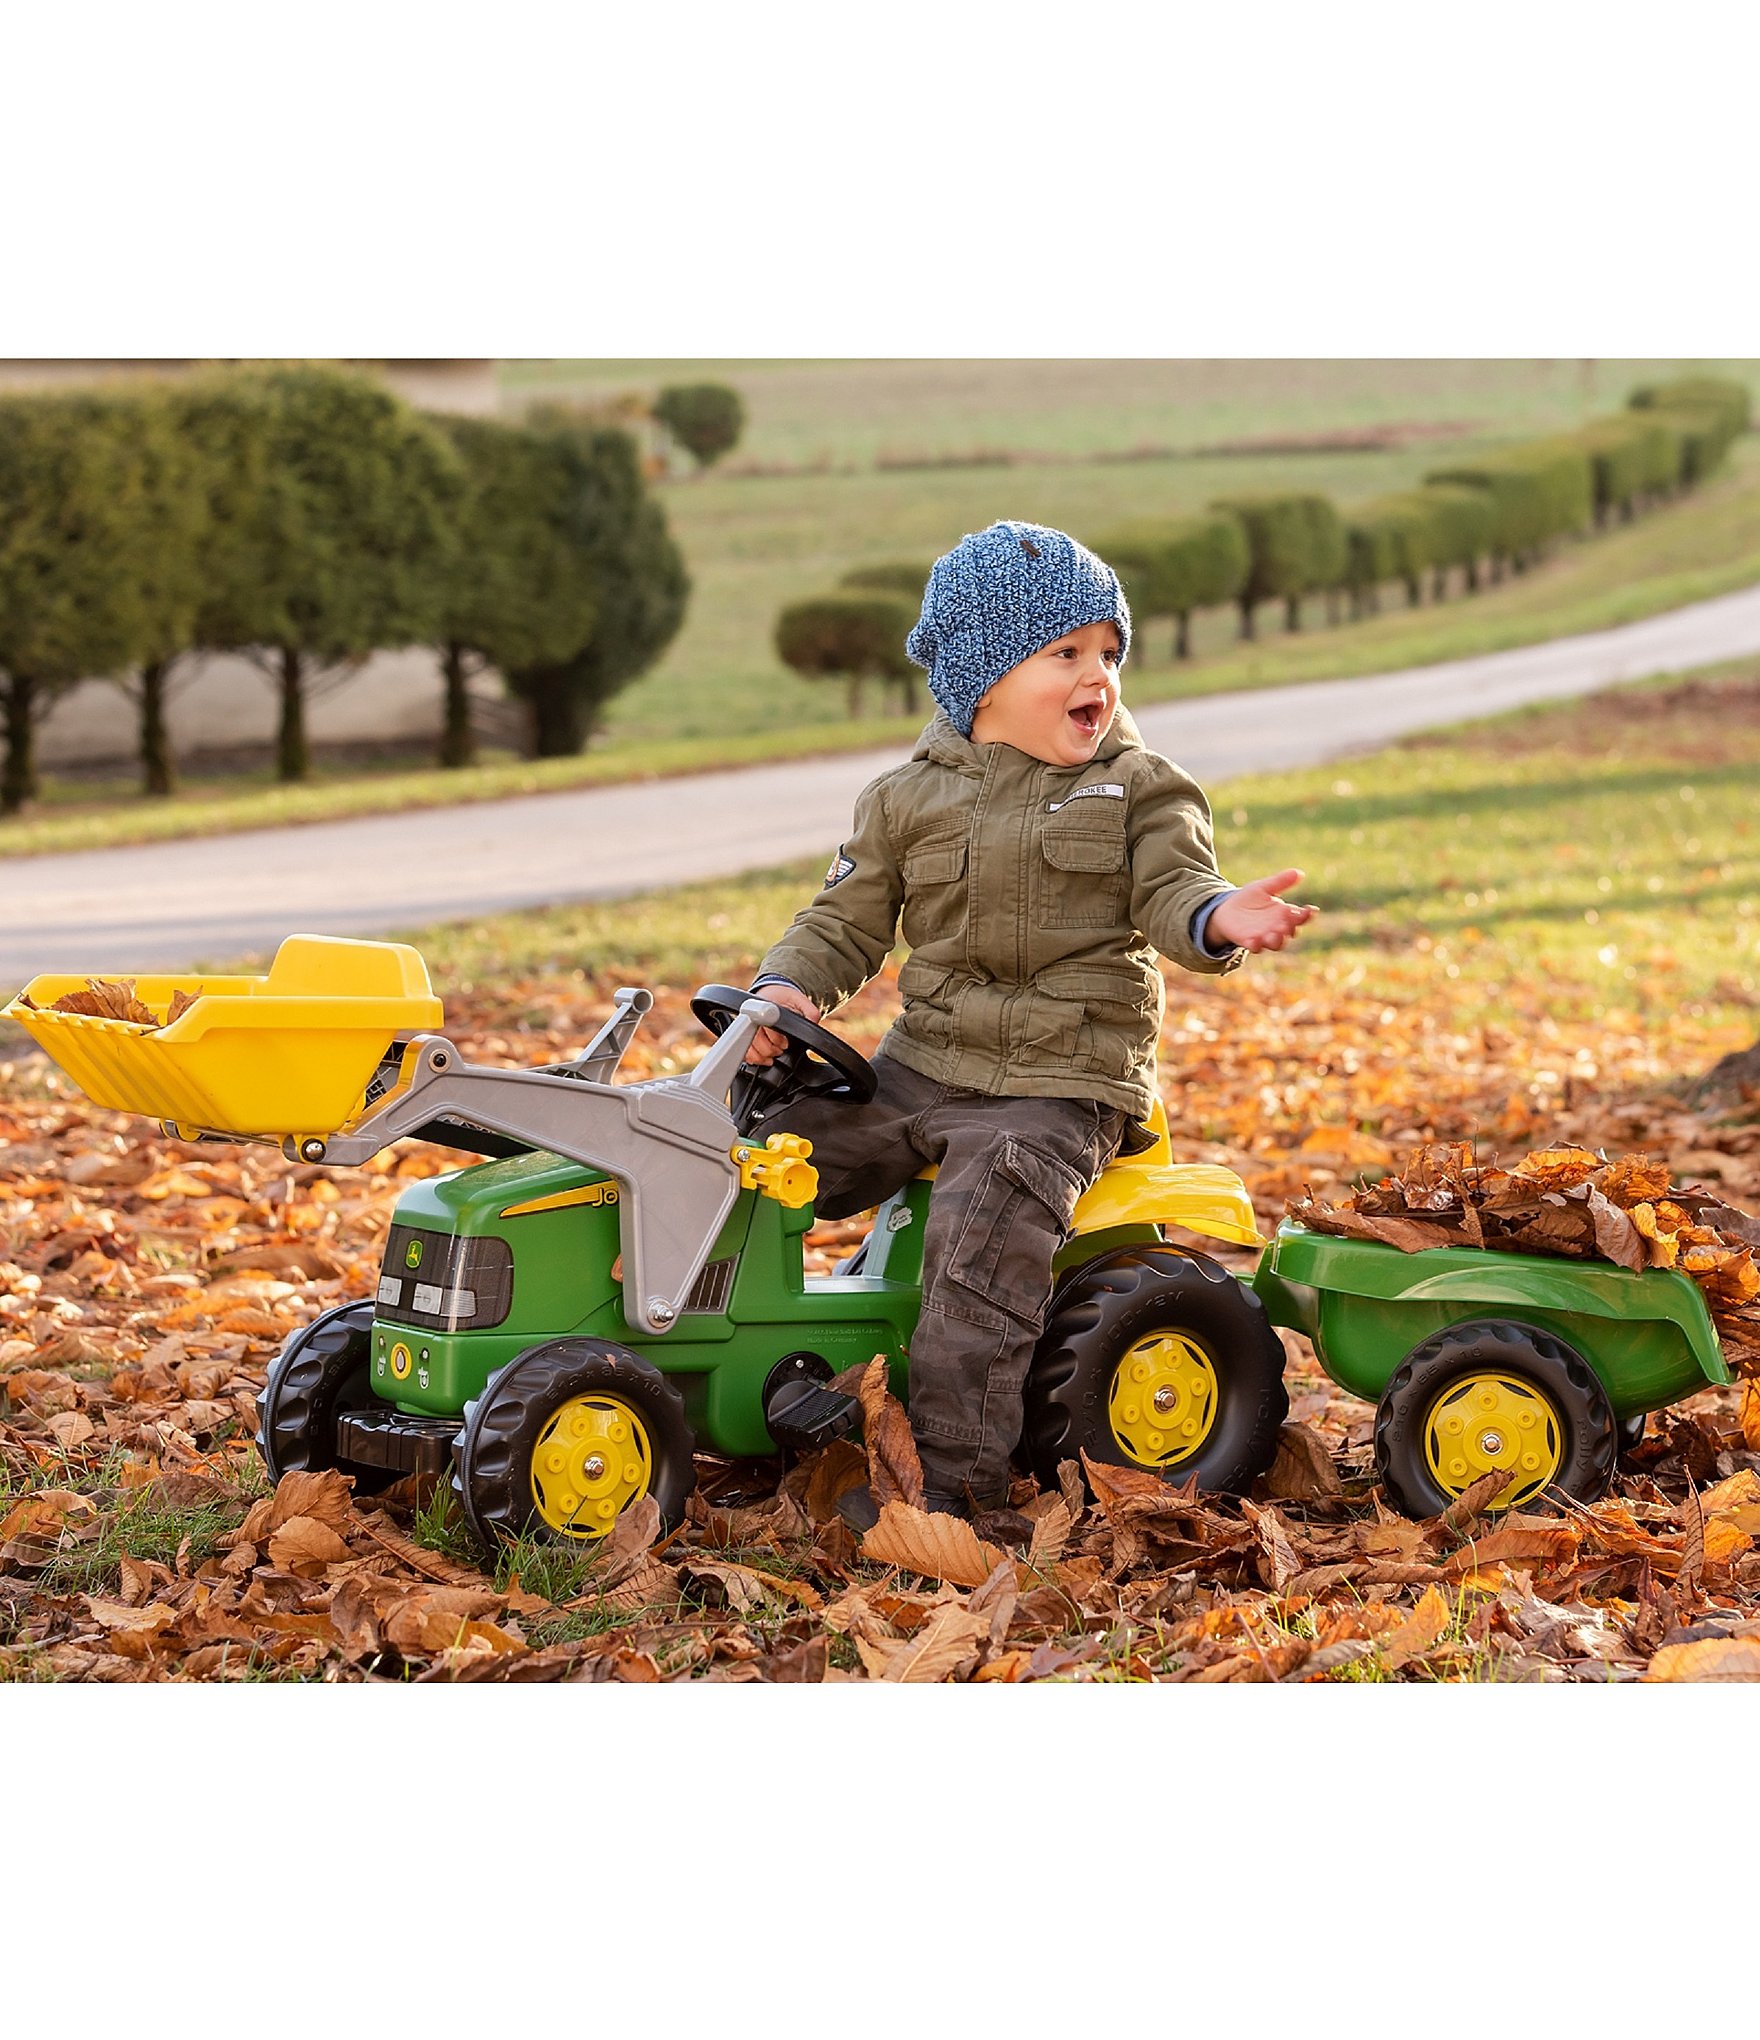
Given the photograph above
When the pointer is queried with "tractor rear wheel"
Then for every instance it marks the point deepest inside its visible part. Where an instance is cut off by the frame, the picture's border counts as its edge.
(319, 1375)
(1162, 1360)
(1493, 1394)
(565, 1438)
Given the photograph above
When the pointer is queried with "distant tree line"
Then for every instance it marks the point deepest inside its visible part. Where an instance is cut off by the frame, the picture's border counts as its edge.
(1483, 517)
(306, 517)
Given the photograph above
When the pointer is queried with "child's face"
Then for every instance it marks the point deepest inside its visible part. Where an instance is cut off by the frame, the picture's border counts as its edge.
(1058, 704)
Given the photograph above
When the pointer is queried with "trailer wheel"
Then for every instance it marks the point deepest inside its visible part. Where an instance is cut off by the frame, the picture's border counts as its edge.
(563, 1439)
(319, 1375)
(1161, 1360)
(1493, 1394)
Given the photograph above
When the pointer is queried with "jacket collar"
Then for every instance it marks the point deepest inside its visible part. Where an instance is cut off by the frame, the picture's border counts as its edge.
(942, 744)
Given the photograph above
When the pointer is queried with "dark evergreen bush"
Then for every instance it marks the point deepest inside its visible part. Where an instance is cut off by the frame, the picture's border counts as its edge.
(705, 418)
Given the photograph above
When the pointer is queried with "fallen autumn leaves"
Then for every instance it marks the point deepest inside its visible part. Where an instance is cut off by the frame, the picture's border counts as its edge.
(144, 1286)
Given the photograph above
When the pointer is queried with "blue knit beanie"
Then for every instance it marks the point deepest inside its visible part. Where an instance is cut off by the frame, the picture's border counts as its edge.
(1000, 596)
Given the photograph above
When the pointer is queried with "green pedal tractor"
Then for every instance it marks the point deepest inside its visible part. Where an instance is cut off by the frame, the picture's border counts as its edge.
(620, 1282)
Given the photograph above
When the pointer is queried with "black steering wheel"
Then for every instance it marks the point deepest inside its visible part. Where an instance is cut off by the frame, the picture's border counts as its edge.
(815, 1064)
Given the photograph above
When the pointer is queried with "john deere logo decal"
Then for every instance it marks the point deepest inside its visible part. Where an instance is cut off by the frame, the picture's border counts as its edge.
(412, 1254)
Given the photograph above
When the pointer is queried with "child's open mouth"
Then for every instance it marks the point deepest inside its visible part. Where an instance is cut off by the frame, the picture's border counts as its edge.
(1086, 718)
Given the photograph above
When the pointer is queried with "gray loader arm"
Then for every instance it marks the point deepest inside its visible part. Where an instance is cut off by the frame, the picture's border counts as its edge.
(669, 1142)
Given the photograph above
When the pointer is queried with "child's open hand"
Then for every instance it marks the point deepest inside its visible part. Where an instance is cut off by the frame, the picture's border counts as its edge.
(1255, 918)
(767, 1044)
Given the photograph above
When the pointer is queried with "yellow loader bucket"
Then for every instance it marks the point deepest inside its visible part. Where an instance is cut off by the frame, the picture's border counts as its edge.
(289, 1053)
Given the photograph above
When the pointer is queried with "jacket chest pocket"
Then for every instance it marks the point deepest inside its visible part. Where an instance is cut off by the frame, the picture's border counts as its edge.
(1083, 879)
(934, 890)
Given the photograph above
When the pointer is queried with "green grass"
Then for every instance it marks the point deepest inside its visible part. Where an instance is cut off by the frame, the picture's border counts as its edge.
(721, 697)
(1576, 858)
(1612, 845)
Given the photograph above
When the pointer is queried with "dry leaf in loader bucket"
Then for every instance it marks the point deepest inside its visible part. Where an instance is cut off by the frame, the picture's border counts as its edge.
(107, 999)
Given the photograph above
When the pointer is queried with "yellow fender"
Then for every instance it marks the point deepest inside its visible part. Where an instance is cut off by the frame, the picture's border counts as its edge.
(1153, 1189)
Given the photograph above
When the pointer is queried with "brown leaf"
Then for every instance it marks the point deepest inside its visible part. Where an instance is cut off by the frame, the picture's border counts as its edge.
(939, 1547)
(628, 1541)
(946, 1647)
(325, 1497)
(1472, 1502)
(1280, 1564)
(1069, 1485)
(1517, 1538)
(1302, 1469)
(305, 1546)
(1716, 1658)
(107, 999)
(998, 1598)
(1615, 1234)
(804, 1665)
(1418, 1632)
(841, 1466)
(427, 1619)
(744, 1586)
(1051, 1532)
(1114, 1484)
(894, 1471)
(1692, 1571)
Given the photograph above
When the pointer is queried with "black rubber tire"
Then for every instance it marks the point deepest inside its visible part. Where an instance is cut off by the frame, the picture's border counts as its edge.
(1589, 1446)
(320, 1373)
(1102, 1309)
(492, 1455)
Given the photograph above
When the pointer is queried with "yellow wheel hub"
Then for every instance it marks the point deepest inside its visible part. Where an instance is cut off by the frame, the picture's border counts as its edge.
(590, 1462)
(1163, 1399)
(1487, 1422)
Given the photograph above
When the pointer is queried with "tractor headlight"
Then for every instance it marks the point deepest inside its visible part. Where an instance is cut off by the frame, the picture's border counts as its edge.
(444, 1284)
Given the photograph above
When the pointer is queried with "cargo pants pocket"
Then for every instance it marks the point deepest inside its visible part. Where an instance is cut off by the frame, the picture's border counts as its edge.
(1019, 1217)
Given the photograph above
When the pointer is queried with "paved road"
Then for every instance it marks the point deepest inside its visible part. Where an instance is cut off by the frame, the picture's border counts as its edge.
(169, 906)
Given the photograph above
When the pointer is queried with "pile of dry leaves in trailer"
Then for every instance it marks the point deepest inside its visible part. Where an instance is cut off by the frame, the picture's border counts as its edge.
(144, 1287)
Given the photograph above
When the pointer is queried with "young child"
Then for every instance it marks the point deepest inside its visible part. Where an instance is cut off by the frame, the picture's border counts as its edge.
(1036, 855)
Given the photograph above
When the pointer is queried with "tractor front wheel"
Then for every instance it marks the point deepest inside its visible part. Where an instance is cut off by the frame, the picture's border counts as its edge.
(319, 1375)
(1162, 1360)
(565, 1438)
(1493, 1395)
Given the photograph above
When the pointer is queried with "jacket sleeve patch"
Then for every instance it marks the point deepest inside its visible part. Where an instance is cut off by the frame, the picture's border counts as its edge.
(839, 868)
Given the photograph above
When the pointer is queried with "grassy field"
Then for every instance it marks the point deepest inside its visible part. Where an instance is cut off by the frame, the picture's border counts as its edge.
(842, 413)
(720, 695)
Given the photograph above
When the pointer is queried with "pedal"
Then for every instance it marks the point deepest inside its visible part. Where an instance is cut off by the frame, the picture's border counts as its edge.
(804, 1414)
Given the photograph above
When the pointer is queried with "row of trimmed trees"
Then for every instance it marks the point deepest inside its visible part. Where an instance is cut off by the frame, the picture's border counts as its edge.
(306, 517)
(1481, 517)
(1484, 516)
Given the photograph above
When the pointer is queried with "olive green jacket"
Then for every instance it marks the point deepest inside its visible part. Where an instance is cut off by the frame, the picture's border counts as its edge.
(1033, 898)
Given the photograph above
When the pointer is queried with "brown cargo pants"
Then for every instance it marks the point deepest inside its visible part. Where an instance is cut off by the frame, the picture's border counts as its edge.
(1010, 1172)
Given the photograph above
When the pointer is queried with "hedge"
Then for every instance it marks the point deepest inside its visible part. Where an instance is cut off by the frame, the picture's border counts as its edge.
(1171, 566)
(1463, 528)
(1392, 538)
(1698, 392)
(1632, 455)
(853, 638)
(1539, 491)
(1295, 544)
